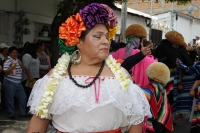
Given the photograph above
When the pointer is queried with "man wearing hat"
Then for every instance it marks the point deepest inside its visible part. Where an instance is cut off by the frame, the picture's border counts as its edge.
(180, 82)
(3, 51)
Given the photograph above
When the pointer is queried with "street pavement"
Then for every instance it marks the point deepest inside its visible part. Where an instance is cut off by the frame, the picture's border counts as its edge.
(19, 125)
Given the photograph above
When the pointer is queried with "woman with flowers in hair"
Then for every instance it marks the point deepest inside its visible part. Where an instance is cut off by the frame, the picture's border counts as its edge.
(87, 91)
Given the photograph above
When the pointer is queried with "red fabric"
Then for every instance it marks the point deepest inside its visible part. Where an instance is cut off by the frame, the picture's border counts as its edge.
(160, 108)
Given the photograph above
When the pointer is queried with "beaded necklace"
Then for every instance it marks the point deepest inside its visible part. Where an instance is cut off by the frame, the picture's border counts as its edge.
(88, 85)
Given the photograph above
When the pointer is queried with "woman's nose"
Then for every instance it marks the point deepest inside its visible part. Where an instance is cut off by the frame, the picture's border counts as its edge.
(105, 40)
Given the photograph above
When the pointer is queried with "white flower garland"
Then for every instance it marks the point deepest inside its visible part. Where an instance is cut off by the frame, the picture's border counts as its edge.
(61, 67)
(120, 74)
(51, 86)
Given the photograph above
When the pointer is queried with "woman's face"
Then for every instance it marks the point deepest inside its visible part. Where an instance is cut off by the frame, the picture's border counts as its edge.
(13, 54)
(96, 44)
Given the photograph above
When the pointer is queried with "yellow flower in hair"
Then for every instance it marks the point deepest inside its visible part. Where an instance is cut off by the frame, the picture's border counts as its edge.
(51, 86)
(112, 32)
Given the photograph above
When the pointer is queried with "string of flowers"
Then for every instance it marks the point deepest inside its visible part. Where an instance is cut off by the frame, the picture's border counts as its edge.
(69, 34)
(60, 68)
(119, 73)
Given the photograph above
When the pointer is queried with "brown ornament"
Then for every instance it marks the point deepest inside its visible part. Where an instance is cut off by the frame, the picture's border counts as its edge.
(180, 86)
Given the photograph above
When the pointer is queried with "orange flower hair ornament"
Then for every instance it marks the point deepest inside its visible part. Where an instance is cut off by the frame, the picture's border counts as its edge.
(88, 17)
(71, 30)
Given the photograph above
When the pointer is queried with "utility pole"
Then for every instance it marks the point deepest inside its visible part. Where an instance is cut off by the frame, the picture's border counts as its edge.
(150, 20)
(123, 19)
(172, 17)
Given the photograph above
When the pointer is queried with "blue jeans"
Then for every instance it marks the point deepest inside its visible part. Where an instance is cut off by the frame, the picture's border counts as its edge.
(14, 90)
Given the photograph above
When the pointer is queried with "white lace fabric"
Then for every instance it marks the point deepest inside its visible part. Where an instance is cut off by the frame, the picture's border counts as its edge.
(132, 102)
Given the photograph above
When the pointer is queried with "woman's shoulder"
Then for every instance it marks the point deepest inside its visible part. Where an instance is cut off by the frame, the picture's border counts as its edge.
(26, 55)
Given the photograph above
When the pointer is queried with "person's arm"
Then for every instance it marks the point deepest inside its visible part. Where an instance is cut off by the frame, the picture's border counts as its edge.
(135, 128)
(49, 62)
(26, 59)
(131, 61)
(21, 65)
(8, 67)
(192, 92)
(1, 69)
(194, 69)
(37, 125)
(44, 67)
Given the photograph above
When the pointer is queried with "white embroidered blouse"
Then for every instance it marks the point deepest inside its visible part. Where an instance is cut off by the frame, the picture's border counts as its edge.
(103, 106)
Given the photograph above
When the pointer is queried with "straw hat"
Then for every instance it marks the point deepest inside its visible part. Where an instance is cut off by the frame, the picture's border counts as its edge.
(158, 72)
(136, 30)
(175, 37)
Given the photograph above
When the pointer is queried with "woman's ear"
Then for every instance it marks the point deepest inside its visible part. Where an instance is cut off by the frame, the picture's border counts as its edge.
(79, 44)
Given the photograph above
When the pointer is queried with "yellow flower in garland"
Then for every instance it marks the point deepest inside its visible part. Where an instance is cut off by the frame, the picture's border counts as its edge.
(42, 109)
(51, 86)
(119, 72)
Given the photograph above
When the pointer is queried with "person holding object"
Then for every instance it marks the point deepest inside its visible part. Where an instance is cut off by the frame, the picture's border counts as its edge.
(88, 91)
(141, 56)
(12, 84)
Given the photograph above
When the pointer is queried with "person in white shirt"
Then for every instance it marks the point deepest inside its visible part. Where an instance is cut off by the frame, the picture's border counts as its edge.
(88, 91)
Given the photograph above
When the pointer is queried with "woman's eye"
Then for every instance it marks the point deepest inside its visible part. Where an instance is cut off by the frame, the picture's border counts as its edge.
(96, 36)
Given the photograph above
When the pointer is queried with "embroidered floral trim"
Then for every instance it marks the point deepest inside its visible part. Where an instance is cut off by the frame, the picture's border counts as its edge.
(61, 67)
(51, 86)
(119, 73)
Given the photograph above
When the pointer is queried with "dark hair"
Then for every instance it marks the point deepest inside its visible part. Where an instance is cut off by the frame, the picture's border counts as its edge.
(26, 44)
(122, 45)
(2, 49)
(24, 49)
(39, 43)
(84, 33)
(32, 50)
(12, 49)
(114, 46)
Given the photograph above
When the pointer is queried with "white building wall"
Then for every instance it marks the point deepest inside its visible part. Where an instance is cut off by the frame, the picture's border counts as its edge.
(189, 29)
(42, 13)
(131, 20)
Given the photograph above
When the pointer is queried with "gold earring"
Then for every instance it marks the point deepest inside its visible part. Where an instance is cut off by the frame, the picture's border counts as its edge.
(74, 57)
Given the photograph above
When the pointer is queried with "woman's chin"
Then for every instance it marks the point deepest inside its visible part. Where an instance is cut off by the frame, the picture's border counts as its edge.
(104, 56)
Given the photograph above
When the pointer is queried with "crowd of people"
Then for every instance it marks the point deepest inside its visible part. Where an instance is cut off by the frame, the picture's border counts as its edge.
(20, 68)
(101, 87)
